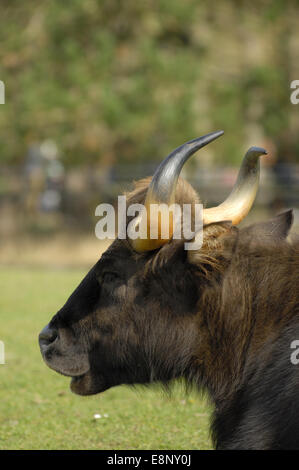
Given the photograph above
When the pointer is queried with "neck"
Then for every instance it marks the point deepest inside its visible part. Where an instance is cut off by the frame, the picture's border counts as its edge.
(249, 309)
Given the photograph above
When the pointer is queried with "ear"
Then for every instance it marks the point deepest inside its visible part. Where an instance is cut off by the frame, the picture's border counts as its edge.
(269, 232)
(213, 258)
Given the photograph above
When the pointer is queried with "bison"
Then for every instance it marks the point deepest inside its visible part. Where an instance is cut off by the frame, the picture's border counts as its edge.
(223, 317)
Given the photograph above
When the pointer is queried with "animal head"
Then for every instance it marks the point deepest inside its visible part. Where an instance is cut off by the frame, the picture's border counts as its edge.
(149, 310)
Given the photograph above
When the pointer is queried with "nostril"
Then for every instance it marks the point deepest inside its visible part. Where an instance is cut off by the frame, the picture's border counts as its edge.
(47, 335)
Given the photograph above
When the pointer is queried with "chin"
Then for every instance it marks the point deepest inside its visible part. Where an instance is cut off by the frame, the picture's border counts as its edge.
(87, 384)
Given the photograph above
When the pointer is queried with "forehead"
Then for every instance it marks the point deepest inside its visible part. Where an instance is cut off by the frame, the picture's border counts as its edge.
(118, 256)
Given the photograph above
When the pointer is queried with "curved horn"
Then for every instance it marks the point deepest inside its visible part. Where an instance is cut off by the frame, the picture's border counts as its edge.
(239, 202)
(162, 191)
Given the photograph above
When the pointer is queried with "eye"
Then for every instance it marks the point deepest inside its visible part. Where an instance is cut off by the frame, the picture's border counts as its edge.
(108, 277)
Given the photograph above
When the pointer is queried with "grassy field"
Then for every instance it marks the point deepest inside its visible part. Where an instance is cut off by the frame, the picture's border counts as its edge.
(37, 409)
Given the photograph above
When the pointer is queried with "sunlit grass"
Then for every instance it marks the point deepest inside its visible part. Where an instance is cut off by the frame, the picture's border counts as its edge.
(37, 409)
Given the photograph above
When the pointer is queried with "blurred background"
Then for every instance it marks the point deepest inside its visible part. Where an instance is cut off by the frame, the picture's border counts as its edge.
(99, 91)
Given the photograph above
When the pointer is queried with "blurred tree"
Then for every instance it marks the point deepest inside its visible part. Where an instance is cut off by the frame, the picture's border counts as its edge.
(128, 81)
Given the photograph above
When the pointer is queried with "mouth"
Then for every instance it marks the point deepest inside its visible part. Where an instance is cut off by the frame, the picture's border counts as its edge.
(64, 370)
(87, 383)
(65, 365)
(81, 384)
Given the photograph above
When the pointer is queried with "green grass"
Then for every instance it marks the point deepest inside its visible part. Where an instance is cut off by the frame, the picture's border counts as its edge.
(37, 409)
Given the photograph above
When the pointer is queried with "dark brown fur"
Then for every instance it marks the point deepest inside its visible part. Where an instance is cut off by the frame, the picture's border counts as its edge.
(222, 317)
